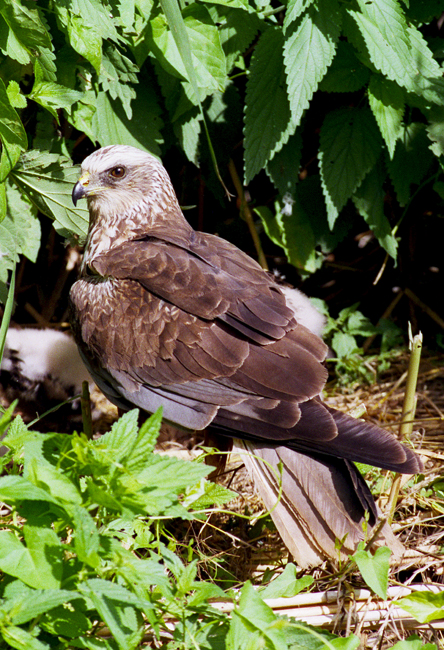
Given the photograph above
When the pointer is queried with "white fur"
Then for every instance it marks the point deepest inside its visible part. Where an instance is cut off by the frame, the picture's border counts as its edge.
(40, 355)
(304, 311)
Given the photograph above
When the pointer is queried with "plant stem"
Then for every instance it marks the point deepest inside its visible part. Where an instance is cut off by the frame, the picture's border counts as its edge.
(408, 413)
(246, 212)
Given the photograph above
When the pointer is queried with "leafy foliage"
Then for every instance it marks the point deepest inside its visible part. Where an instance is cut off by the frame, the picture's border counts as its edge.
(363, 74)
(85, 560)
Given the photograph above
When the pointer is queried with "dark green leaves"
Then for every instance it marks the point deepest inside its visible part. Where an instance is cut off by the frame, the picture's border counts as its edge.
(266, 123)
(349, 147)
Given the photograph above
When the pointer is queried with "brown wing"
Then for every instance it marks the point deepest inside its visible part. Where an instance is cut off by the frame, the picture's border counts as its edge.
(159, 353)
(207, 278)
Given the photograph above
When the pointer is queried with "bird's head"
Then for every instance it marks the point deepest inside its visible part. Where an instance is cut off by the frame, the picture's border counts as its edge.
(119, 179)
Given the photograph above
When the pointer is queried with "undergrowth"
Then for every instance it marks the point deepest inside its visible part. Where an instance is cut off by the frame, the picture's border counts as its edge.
(87, 562)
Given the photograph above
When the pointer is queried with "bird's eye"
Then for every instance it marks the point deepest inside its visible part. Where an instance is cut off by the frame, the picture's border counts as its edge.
(117, 172)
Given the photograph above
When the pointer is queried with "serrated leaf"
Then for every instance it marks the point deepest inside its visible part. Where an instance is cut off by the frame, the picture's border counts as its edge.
(84, 38)
(435, 129)
(117, 73)
(86, 536)
(168, 474)
(374, 569)
(34, 602)
(369, 201)
(187, 129)
(283, 168)
(384, 29)
(268, 122)
(22, 33)
(387, 102)
(114, 603)
(47, 180)
(350, 144)
(346, 73)
(53, 96)
(308, 52)
(20, 230)
(237, 33)
(15, 96)
(111, 125)
(294, 9)
(424, 606)
(411, 160)
(426, 78)
(11, 128)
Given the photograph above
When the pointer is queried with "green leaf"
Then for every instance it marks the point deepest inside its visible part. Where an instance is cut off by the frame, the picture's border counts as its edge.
(308, 52)
(20, 230)
(39, 563)
(47, 180)
(254, 624)
(374, 568)
(16, 99)
(17, 637)
(291, 229)
(31, 603)
(414, 642)
(118, 71)
(14, 489)
(237, 33)
(424, 606)
(115, 604)
(411, 161)
(187, 129)
(86, 536)
(294, 9)
(111, 125)
(206, 494)
(343, 344)
(306, 637)
(22, 33)
(384, 29)
(12, 132)
(346, 73)
(53, 96)
(350, 144)
(435, 129)
(287, 584)
(207, 57)
(167, 474)
(369, 201)
(387, 102)
(65, 620)
(267, 113)
(84, 38)
(283, 168)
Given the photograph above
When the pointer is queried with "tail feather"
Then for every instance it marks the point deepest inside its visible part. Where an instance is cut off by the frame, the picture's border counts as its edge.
(323, 500)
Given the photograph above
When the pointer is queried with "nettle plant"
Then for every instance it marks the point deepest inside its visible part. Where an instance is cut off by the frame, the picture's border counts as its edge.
(339, 102)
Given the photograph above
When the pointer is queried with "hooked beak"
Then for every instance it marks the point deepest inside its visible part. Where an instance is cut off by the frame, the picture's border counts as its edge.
(79, 190)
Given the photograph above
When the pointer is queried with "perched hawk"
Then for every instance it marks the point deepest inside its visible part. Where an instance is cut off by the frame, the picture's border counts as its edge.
(166, 316)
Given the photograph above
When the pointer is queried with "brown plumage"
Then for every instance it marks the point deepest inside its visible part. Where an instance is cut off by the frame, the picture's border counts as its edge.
(166, 316)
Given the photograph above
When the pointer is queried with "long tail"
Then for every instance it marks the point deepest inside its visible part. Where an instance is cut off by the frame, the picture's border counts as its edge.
(323, 499)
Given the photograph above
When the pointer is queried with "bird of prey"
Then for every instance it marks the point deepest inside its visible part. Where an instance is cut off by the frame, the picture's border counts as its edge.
(167, 316)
